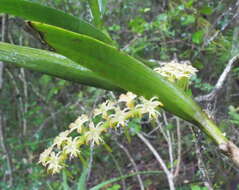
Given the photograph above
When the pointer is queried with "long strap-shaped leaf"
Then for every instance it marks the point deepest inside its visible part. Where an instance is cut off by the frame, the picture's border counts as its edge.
(52, 64)
(130, 74)
(36, 12)
(96, 14)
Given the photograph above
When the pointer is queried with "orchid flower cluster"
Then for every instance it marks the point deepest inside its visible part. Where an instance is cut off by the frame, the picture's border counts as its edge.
(87, 132)
(113, 114)
(175, 70)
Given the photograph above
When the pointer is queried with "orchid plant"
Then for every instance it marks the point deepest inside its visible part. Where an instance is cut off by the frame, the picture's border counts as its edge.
(86, 54)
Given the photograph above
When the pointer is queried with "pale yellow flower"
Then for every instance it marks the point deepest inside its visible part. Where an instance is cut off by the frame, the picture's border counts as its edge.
(54, 163)
(44, 156)
(149, 106)
(78, 123)
(61, 138)
(72, 147)
(128, 99)
(176, 71)
(119, 117)
(104, 108)
(94, 133)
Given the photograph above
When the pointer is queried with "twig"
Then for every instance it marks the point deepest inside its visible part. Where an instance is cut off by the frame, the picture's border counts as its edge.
(22, 77)
(133, 163)
(4, 34)
(43, 125)
(160, 160)
(229, 10)
(130, 42)
(119, 169)
(6, 152)
(168, 138)
(90, 161)
(179, 148)
(220, 82)
(201, 165)
(1, 74)
(154, 130)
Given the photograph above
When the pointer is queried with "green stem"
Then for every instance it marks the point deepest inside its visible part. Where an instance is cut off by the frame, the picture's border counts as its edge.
(210, 128)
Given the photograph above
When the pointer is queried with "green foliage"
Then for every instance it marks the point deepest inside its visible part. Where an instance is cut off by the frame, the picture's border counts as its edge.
(114, 187)
(33, 11)
(96, 11)
(234, 115)
(205, 87)
(197, 37)
(196, 187)
(51, 63)
(131, 74)
(103, 184)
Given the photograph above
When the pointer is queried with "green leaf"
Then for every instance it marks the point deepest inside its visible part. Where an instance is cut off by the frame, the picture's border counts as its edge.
(195, 187)
(187, 19)
(83, 179)
(52, 64)
(127, 73)
(96, 12)
(137, 25)
(36, 12)
(44, 80)
(197, 37)
(206, 10)
(114, 187)
(101, 185)
(65, 185)
(135, 126)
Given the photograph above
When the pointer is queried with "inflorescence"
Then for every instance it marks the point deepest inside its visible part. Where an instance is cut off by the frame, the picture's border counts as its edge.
(113, 115)
(176, 70)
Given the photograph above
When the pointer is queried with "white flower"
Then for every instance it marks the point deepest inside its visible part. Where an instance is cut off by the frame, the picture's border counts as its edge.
(128, 99)
(72, 147)
(94, 133)
(119, 117)
(149, 106)
(104, 108)
(61, 138)
(77, 125)
(54, 163)
(44, 156)
(176, 71)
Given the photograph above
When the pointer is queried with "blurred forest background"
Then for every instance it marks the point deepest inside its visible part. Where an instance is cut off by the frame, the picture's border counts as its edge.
(35, 107)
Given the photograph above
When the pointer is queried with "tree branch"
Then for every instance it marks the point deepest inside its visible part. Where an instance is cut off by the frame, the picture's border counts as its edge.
(220, 82)
(160, 160)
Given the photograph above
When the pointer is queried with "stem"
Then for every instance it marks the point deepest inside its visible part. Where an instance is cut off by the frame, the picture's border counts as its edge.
(133, 163)
(210, 128)
(160, 160)
(225, 145)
